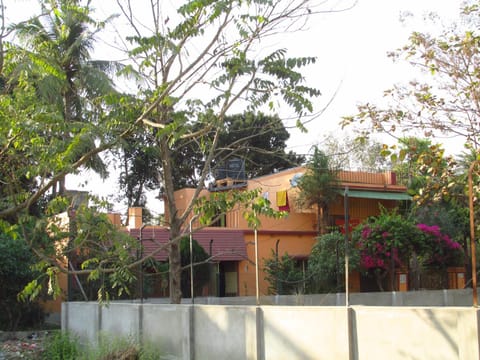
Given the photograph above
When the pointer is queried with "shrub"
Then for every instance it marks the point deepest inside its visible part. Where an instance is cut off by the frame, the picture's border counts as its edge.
(440, 249)
(283, 275)
(326, 264)
(61, 346)
(386, 241)
(16, 261)
(64, 346)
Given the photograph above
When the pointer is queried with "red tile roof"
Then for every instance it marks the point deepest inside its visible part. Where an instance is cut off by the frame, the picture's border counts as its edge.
(227, 245)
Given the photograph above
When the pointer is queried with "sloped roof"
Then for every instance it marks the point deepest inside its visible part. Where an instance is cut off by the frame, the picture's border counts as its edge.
(226, 244)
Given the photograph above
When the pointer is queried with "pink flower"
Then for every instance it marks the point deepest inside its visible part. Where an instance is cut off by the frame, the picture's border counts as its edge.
(366, 232)
(367, 262)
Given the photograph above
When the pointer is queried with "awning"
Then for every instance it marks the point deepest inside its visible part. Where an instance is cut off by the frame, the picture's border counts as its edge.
(381, 195)
(222, 244)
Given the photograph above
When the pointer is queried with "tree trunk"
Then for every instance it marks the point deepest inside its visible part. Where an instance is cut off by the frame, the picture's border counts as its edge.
(322, 219)
(176, 222)
(175, 273)
(319, 220)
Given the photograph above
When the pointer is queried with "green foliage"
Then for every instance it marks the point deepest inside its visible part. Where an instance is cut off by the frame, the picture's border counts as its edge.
(424, 169)
(283, 275)
(54, 110)
(259, 140)
(439, 249)
(386, 241)
(359, 153)
(65, 346)
(452, 217)
(201, 274)
(61, 346)
(326, 264)
(441, 104)
(59, 111)
(319, 186)
(16, 272)
(104, 253)
(250, 202)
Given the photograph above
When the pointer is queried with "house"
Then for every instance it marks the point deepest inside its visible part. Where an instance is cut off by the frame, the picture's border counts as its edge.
(231, 243)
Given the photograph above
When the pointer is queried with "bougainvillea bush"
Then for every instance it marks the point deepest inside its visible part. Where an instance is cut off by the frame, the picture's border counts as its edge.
(440, 249)
(389, 241)
(385, 242)
(386, 238)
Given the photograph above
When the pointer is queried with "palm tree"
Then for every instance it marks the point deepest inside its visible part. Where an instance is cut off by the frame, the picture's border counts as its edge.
(57, 51)
(319, 187)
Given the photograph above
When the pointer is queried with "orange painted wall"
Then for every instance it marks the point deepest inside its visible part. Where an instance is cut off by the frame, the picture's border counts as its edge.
(296, 231)
(55, 305)
(302, 219)
(293, 243)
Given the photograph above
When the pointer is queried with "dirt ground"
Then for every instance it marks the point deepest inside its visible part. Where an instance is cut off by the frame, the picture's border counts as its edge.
(22, 344)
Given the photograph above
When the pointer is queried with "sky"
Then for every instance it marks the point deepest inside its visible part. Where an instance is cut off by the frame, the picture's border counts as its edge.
(352, 50)
(352, 66)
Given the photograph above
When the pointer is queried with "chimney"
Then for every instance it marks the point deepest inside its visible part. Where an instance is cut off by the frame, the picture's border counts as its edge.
(135, 218)
(115, 219)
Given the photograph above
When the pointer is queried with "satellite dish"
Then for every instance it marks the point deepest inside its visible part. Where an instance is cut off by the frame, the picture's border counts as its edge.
(295, 179)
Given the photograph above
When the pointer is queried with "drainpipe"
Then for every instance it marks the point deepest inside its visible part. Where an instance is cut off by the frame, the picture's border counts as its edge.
(347, 307)
(472, 234)
(141, 265)
(255, 235)
(276, 257)
(191, 258)
(211, 269)
(347, 225)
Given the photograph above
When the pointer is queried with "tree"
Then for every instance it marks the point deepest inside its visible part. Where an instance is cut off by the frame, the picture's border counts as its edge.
(443, 102)
(57, 50)
(139, 168)
(54, 105)
(283, 275)
(356, 153)
(201, 274)
(54, 121)
(16, 271)
(199, 61)
(260, 141)
(319, 187)
(326, 263)
(257, 139)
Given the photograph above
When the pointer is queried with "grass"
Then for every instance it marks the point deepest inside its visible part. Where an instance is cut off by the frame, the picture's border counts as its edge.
(65, 346)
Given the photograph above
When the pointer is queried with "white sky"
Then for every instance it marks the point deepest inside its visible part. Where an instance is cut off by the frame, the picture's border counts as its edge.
(351, 48)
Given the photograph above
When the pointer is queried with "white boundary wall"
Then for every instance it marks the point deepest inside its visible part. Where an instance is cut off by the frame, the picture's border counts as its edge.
(461, 297)
(284, 332)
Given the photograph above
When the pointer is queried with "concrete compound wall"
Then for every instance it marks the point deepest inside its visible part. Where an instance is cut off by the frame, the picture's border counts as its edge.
(284, 332)
(461, 297)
